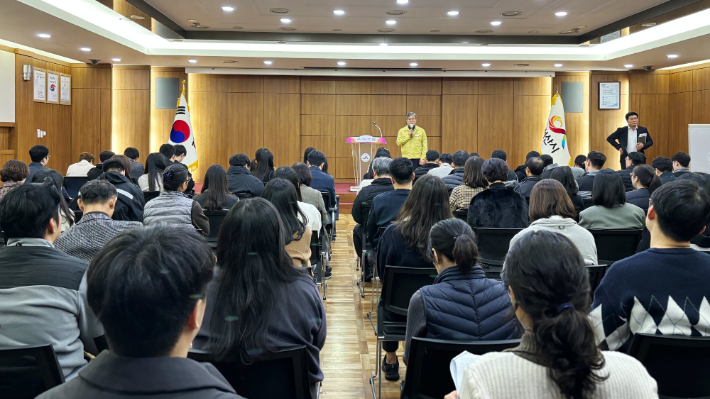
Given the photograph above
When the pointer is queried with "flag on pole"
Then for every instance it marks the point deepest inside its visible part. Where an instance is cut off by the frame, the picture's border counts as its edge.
(182, 132)
(554, 141)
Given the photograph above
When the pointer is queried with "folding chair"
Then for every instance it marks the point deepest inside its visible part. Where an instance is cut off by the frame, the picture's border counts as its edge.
(243, 194)
(461, 214)
(364, 215)
(149, 195)
(375, 280)
(73, 183)
(613, 245)
(216, 218)
(331, 212)
(596, 274)
(493, 244)
(28, 371)
(319, 260)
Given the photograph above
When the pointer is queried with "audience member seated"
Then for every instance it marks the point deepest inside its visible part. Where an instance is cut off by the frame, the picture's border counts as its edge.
(180, 154)
(46, 175)
(664, 169)
(681, 164)
(455, 177)
(264, 165)
(557, 356)
(310, 195)
(309, 149)
(136, 167)
(172, 206)
(551, 209)
(321, 181)
(81, 168)
(432, 162)
(645, 181)
(664, 289)
(533, 170)
(498, 206)
(500, 154)
(241, 182)
(39, 155)
(473, 183)
(127, 166)
(381, 184)
(549, 165)
(13, 173)
(97, 199)
(168, 151)
(386, 206)
(701, 241)
(610, 210)
(148, 289)
(313, 217)
(579, 168)
(595, 163)
(130, 198)
(563, 174)
(284, 309)
(282, 194)
(43, 292)
(445, 161)
(405, 243)
(462, 304)
(215, 193)
(632, 160)
(152, 177)
(520, 170)
(99, 169)
(382, 152)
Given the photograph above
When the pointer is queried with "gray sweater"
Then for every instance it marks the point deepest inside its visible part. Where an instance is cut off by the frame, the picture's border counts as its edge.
(581, 237)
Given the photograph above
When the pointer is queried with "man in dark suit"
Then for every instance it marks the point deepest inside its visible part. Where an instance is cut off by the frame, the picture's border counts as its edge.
(664, 169)
(628, 139)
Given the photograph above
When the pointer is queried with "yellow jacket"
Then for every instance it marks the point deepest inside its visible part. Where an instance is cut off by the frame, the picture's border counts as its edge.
(414, 147)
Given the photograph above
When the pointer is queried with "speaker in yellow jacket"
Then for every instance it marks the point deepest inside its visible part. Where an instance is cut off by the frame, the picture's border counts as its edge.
(412, 139)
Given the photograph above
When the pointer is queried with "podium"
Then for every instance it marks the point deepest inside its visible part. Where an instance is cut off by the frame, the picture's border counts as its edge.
(363, 148)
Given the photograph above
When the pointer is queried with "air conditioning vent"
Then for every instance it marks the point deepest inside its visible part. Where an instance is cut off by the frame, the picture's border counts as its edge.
(386, 30)
(287, 28)
(484, 31)
(511, 13)
(395, 12)
(279, 10)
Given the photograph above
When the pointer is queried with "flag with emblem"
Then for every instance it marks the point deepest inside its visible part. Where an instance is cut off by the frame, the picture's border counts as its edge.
(554, 141)
(182, 132)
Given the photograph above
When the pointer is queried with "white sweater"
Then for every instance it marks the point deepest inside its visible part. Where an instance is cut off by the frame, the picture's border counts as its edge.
(580, 237)
(506, 375)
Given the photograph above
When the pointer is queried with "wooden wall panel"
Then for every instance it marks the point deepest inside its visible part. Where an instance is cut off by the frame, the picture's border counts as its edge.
(529, 116)
(317, 125)
(680, 111)
(131, 109)
(701, 79)
(245, 84)
(495, 124)
(602, 123)
(317, 85)
(313, 104)
(532, 86)
(389, 86)
(388, 105)
(161, 120)
(681, 82)
(352, 105)
(208, 112)
(424, 105)
(353, 86)
(701, 107)
(282, 84)
(245, 123)
(424, 86)
(649, 83)
(127, 9)
(459, 122)
(496, 86)
(282, 127)
(324, 144)
(460, 86)
(91, 110)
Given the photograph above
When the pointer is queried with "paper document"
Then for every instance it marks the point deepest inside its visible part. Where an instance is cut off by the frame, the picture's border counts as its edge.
(459, 364)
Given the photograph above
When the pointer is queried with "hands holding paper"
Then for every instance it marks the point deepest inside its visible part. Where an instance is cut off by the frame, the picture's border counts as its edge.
(452, 395)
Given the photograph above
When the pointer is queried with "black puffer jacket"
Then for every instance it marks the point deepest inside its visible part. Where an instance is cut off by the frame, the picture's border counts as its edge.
(130, 202)
(454, 179)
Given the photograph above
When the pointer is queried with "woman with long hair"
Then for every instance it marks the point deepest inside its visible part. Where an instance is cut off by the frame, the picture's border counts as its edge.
(309, 195)
(313, 217)
(258, 302)
(405, 243)
(264, 165)
(152, 178)
(645, 181)
(13, 174)
(563, 174)
(172, 206)
(610, 210)
(56, 178)
(215, 193)
(282, 194)
(473, 183)
(558, 355)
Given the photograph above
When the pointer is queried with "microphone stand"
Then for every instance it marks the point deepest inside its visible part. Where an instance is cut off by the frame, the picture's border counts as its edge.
(375, 123)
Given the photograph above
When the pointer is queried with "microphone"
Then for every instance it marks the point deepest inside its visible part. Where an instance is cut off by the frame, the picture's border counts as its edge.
(375, 124)
(411, 126)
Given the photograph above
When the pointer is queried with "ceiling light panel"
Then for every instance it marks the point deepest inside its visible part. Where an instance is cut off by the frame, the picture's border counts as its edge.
(338, 12)
(452, 13)
(227, 8)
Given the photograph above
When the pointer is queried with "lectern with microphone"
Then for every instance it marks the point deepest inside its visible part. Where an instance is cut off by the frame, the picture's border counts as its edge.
(363, 149)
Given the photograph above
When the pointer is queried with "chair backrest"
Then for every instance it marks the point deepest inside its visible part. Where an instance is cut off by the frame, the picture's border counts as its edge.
(216, 218)
(243, 194)
(28, 371)
(401, 282)
(493, 244)
(428, 369)
(326, 199)
(613, 245)
(73, 183)
(149, 195)
(281, 374)
(679, 364)
(596, 274)
(461, 214)
(364, 214)
(316, 243)
(588, 202)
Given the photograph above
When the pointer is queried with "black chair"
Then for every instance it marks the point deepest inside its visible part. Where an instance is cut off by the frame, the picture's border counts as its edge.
(243, 194)
(319, 260)
(588, 202)
(399, 284)
(428, 370)
(78, 215)
(149, 195)
(331, 212)
(613, 245)
(461, 214)
(281, 374)
(679, 364)
(28, 371)
(73, 184)
(493, 244)
(596, 274)
(362, 262)
(375, 278)
(216, 218)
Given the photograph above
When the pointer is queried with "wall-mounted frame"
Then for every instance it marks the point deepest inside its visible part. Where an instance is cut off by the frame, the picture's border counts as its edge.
(609, 95)
(64, 89)
(52, 87)
(39, 81)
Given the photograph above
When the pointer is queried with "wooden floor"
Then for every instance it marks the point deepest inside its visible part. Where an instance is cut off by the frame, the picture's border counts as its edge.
(348, 358)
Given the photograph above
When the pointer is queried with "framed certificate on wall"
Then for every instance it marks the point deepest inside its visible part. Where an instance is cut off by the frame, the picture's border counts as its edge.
(64, 89)
(40, 85)
(609, 95)
(52, 87)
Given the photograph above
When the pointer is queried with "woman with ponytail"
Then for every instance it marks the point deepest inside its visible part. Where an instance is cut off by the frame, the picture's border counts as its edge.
(557, 356)
(645, 181)
(462, 304)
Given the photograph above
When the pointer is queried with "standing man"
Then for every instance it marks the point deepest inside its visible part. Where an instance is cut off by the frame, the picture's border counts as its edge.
(628, 139)
(412, 139)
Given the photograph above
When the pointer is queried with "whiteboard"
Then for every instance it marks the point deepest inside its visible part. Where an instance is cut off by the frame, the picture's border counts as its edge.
(7, 87)
(699, 145)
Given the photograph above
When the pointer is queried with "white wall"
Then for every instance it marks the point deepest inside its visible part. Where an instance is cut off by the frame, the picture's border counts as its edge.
(7, 87)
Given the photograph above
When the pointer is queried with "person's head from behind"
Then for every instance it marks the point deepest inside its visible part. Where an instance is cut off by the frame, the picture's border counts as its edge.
(534, 166)
(31, 211)
(474, 154)
(563, 174)
(282, 194)
(87, 156)
(239, 160)
(635, 159)
(180, 152)
(304, 174)
(662, 165)
(500, 154)
(644, 176)
(254, 266)
(446, 158)
(175, 178)
(132, 153)
(432, 156)
(306, 152)
(264, 163)
(679, 159)
(383, 152)
(14, 171)
(579, 161)
(678, 211)
(549, 198)
(316, 158)
(595, 161)
(49, 175)
(546, 159)
(127, 166)
(401, 173)
(39, 154)
(495, 170)
(472, 174)
(287, 173)
(147, 287)
(532, 154)
(608, 189)
(459, 159)
(549, 289)
(452, 242)
(106, 155)
(168, 150)
(215, 188)
(381, 167)
(98, 196)
(114, 165)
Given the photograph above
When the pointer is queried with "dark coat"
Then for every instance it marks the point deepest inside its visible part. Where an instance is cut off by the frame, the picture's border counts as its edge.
(424, 169)
(365, 196)
(94, 173)
(639, 198)
(626, 177)
(577, 201)
(34, 167)
(498, 207)
(679, 173)
(454, 179)
(586, 181)
(323, 182)
(130, 202)
(526, 186)
(384, 210)
(619, 139)
(520, 172)
(667, 177)
(512, 176)
(394, 251)
(241, 182)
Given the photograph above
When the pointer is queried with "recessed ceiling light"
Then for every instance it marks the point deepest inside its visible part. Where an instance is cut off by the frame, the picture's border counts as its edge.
(561, 13)
(268, 62)
(342, 63)
(453, 13)
(628, 65)
(137, 17)
(580, 27)
(558, 65)
(116, 59)
(413, 64)
(485, 65)
(44, 35)
(383, 44)
(228, 8)
(338, 12)
(390, 22)
(193, 21)
(648, 24)
(192, 61)
(496, 23)
(285, 20)
(85, 49)
(672, 55)
(230, 62)
(567, 32)
(402, 1)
